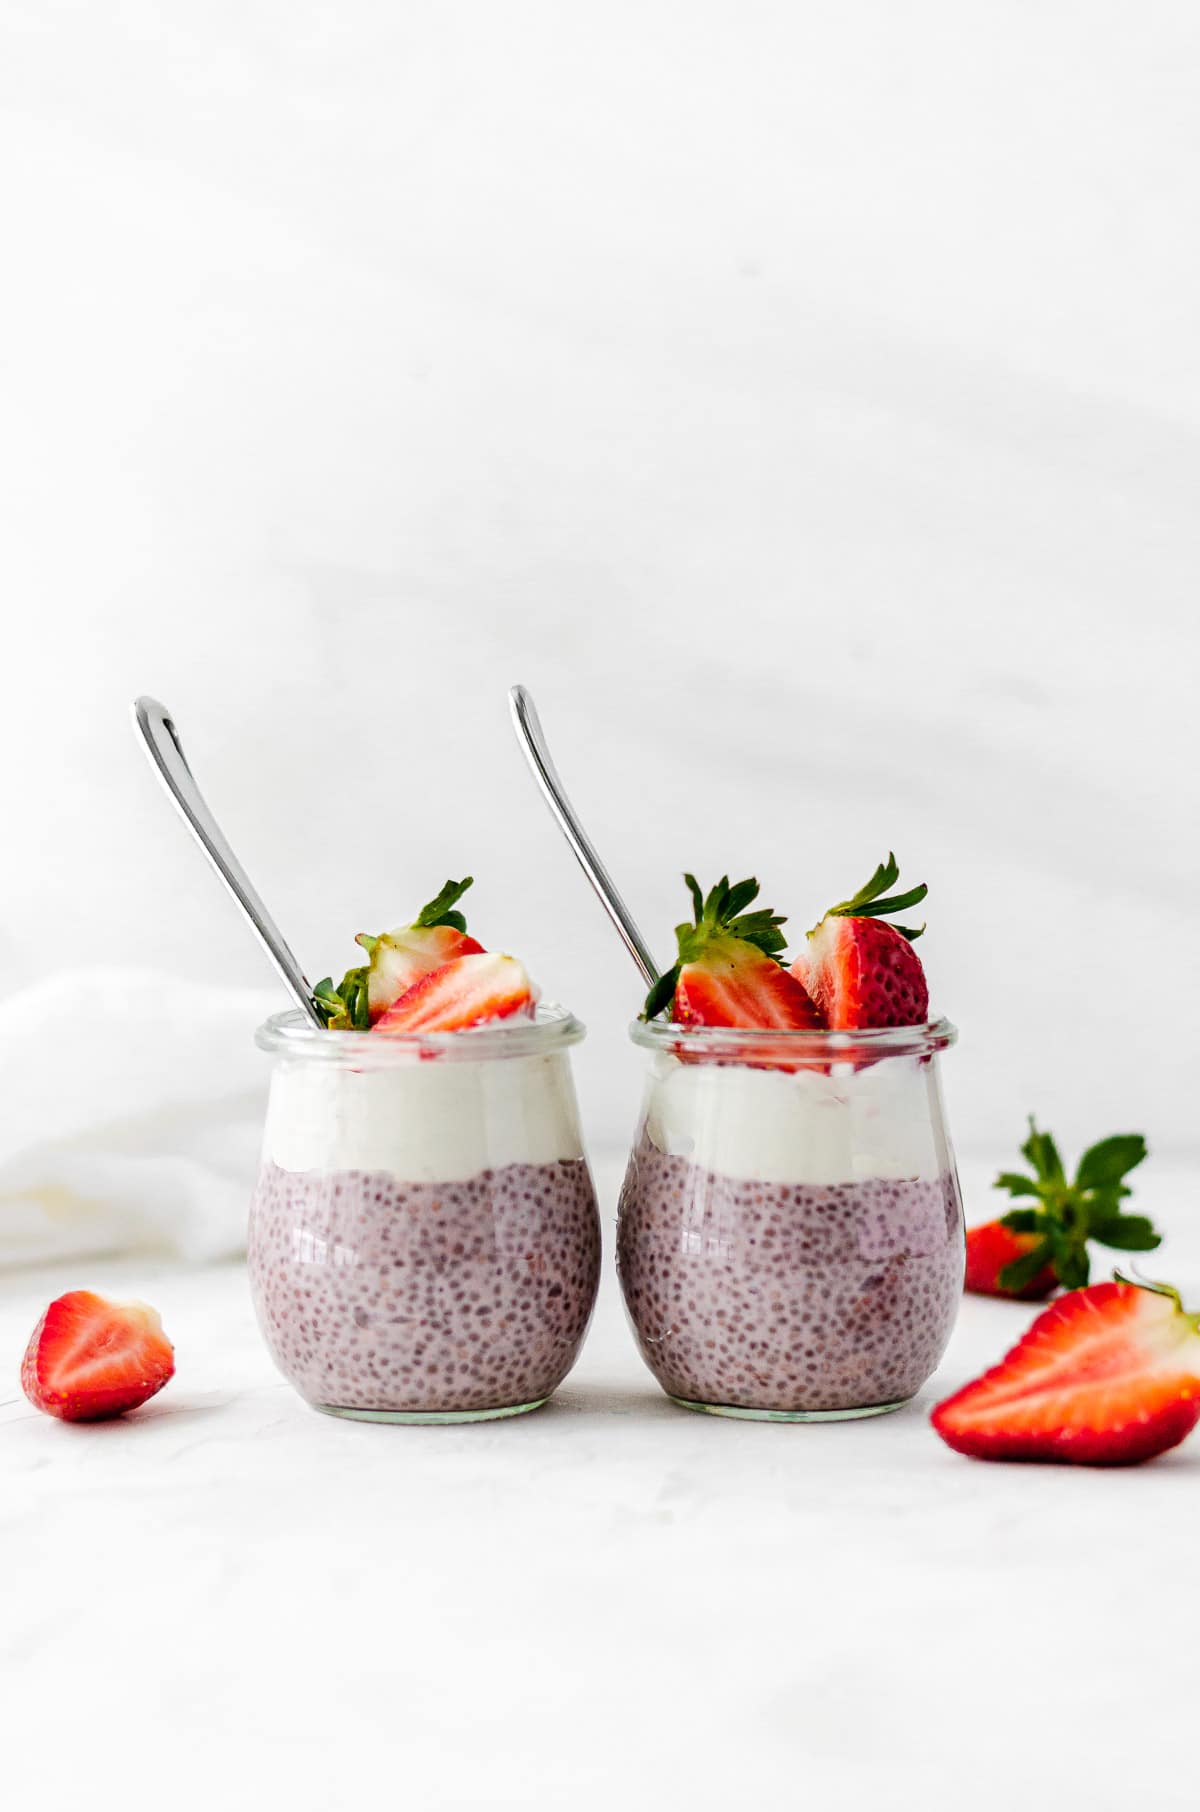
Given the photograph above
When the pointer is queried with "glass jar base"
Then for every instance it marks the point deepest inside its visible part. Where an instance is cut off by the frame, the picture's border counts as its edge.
(418, 1417)
(739, 1414)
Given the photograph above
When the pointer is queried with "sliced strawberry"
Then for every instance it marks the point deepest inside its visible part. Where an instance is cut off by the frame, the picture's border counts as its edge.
(1043, 1240)
(398, 958)
(1106, 1376)
(861, 972)
(729, 972)
(88, 1359)
(469, 991)
(991, 1249)
(734, 984)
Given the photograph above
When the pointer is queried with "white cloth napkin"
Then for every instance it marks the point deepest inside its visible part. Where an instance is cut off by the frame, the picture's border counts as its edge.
(131, 1108)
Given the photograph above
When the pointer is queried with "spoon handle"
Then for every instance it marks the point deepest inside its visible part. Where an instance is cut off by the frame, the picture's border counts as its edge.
(533, 743)
(156, 729)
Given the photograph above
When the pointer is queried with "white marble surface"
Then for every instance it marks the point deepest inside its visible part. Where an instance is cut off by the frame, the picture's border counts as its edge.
(229, 1599)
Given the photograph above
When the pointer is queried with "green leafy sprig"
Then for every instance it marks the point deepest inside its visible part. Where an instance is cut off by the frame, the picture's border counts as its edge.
(718, 914)
(1070, 1212)
(873, 900)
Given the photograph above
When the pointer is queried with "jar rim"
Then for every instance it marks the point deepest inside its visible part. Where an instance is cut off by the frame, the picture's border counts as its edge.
(748, 1043)
(292, 1034)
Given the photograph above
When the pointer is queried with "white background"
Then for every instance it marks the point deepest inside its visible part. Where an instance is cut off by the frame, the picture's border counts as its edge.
(803, 401)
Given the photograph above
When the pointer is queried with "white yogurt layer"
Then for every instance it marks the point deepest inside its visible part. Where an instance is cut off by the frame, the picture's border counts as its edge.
(774, 1127)
(425, 1122)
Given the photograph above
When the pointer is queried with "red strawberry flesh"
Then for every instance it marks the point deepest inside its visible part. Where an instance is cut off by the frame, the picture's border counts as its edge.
(469, 991)
(863, 973)
(89, 1359)
(736, 985)
(400, 958)
(1106, 1376)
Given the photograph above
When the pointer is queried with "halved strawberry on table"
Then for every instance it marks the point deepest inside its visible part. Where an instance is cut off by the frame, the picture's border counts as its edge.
(89, 1359)
(860, 971)
(397, 959)
(729, 972)
(1042, 1243)
(1106, 1376)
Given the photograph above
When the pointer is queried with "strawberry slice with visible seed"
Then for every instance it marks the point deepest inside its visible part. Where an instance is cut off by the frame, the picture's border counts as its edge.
(1106, 1376)
(734, 984)
(89, 1359)
(469, 991)
(862, 972)
(400, 958)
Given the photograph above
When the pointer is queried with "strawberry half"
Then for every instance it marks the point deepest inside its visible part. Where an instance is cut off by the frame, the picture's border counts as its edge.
(1106, 1376)
(398, 958)
(729, 973)
(1032, 1249)
(470, 991)
(860, 972)
(88, 1359)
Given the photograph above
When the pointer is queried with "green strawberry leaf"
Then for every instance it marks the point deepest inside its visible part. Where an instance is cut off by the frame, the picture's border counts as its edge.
(885, 875)
(437, 911)
(693, 887)
(740, 896)
(1126, 1233)
(661, 994)
(1023, 1270)
(873, 901)
(1016, 1184)
(1072, 1265)
(1024, 1220)
(344, 1008)
(1041, 1151)
(1110, 1160)
(896, 902)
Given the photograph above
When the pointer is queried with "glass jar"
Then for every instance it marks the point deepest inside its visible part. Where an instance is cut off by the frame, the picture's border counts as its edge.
(424, 1239)
(790, 1233)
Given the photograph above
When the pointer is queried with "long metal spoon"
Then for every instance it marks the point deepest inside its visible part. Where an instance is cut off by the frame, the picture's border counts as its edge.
(156, 729)
(533, 744)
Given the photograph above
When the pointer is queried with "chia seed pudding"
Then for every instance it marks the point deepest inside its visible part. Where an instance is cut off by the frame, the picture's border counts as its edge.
(790, 1239)
(788, 1297)
(424, 1240)
(376, 1294)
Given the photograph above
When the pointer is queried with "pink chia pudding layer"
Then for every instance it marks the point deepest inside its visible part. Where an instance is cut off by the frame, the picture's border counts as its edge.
(788, 1297)
(377, 1294)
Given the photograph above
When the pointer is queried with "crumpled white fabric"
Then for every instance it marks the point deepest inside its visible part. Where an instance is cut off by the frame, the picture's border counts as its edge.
(131, 1109)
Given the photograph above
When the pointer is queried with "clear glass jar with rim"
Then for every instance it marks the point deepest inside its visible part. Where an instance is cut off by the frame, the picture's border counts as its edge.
(790, 1235)
(424, 1239)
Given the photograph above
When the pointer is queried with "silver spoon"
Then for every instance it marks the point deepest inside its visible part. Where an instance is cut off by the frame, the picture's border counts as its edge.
(153, 724)
(533, 744)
